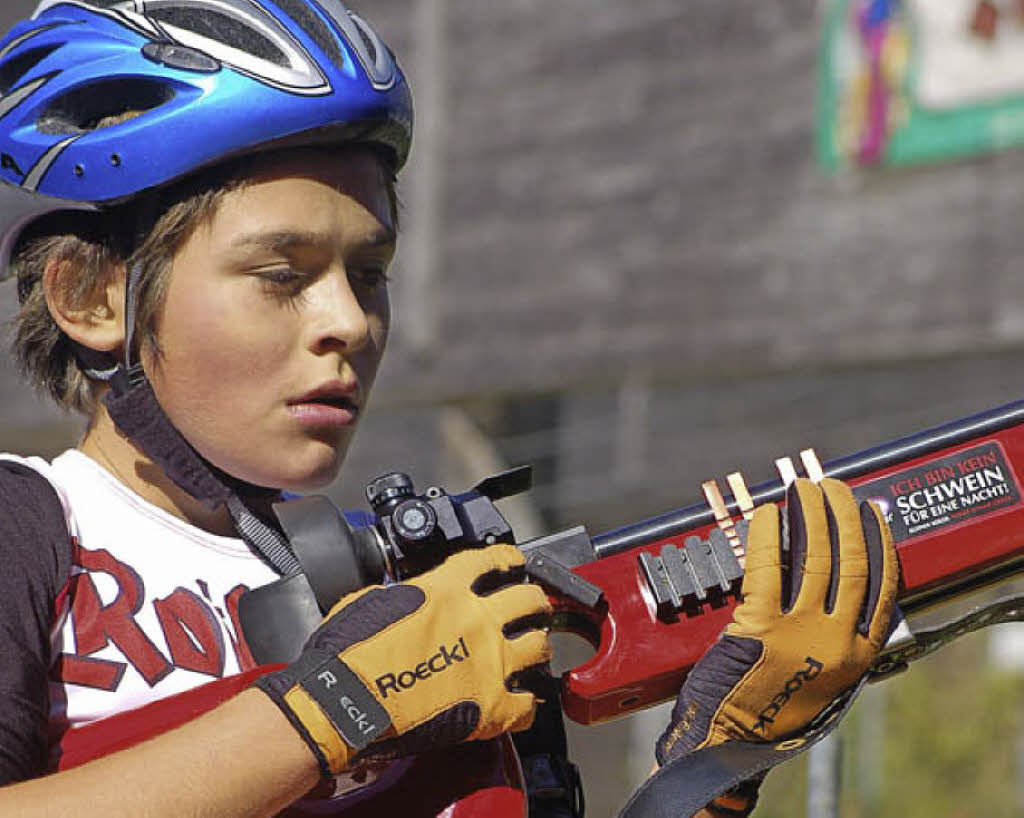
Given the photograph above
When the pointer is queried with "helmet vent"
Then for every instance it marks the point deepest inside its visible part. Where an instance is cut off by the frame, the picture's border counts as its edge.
(102, 104)
(310, 22)
(371, 46)
(223, 29)
(13, 69)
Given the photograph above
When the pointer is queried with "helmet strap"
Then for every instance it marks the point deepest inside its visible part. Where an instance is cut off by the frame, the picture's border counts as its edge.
(138, 415)
(102, 366)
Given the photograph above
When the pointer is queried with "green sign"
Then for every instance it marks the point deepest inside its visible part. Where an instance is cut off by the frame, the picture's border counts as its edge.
(913, 81)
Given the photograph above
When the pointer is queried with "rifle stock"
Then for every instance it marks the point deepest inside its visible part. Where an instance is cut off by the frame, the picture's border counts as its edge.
(955, 506)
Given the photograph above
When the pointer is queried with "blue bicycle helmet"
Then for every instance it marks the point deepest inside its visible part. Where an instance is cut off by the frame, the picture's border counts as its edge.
(204, 81)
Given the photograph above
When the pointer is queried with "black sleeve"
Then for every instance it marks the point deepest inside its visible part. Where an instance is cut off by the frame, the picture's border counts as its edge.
(35, 565)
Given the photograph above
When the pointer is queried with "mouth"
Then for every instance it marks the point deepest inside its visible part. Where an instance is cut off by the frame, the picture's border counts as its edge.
(337, 401)
(334, 393)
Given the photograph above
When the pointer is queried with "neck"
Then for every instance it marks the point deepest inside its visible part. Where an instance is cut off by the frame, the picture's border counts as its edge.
(129, 464)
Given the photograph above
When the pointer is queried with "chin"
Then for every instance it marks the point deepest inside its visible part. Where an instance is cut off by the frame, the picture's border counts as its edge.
(300, 484)
(305, 467)
(306, 474)
(297, 473)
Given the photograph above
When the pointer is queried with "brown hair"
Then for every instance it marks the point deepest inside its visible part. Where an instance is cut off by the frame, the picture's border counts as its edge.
(96, 247)
(146, 232)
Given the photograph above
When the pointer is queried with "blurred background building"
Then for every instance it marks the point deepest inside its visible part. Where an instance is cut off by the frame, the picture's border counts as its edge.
(649, 243)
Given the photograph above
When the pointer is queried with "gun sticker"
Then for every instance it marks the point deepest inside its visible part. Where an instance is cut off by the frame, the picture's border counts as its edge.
(944, 492)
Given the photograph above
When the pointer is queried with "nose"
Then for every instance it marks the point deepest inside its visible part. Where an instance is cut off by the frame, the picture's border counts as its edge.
(338, 320)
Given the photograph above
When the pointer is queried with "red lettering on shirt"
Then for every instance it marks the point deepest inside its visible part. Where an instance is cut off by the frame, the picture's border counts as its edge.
(96, 625)
(89, 672)
(192, 632)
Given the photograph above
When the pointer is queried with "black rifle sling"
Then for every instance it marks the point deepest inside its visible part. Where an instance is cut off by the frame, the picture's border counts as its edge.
(688, 783)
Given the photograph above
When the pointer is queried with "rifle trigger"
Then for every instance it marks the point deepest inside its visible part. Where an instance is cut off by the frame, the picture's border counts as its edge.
(550, 572)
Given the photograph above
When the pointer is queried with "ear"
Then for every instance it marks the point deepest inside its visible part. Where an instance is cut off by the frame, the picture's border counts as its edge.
(95, 320)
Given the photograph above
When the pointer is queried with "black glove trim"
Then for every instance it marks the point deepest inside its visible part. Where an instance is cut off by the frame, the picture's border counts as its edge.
(345, 700)
(352, 709)
(735, 656)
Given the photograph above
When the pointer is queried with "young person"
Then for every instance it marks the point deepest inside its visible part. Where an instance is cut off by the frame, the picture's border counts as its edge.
(198, 204)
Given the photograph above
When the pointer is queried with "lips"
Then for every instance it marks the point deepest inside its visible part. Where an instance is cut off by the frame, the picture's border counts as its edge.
(333, 405)
(336, 394)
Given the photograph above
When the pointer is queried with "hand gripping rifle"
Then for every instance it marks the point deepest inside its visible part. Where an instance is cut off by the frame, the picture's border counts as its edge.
(651, 597)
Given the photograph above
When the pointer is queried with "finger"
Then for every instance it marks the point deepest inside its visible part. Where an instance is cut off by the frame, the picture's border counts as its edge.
(500, 557)
(834, 565)
(853, 557)
(794, 548)
(533, 622)
(516, 603)
(522, 713)
(493, 581)
(762, 583)
(882, 560)
(529, 650)
(494, 557)
(487, 568)
(809, 522)
(536, 680)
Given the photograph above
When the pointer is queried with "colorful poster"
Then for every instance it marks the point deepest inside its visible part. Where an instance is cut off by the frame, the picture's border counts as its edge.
(913, 81)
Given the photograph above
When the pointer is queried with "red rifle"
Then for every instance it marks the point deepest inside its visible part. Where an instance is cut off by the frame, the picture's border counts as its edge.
(654, 596)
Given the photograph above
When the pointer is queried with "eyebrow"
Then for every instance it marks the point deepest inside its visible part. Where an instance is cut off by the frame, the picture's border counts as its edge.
(285, 239)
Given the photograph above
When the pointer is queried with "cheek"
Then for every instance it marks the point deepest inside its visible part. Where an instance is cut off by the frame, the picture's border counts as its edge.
(214, 351)
(368, 360)
(223, 325)
(380, 326)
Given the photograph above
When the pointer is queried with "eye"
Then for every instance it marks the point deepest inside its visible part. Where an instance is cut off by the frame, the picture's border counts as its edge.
(285, 283)
(369, 276)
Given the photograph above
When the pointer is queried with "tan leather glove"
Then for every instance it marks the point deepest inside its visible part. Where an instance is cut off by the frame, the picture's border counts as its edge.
(818, 592)
(419, 665)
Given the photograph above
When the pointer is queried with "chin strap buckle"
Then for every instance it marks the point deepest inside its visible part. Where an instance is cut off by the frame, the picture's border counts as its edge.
(122, 380)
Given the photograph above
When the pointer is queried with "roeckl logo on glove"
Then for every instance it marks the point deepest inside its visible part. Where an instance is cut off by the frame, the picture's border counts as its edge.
(359, 718)
(439, 662)
(767, 716)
